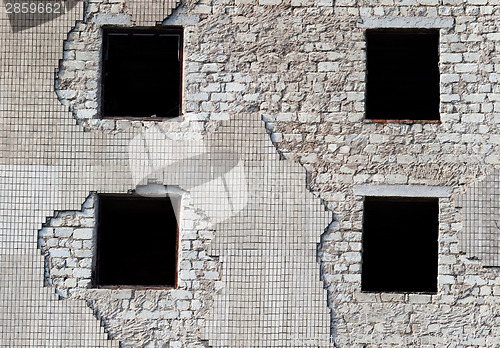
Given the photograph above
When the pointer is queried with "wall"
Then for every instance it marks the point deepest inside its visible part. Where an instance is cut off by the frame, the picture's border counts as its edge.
(300, 66)
(134, 317)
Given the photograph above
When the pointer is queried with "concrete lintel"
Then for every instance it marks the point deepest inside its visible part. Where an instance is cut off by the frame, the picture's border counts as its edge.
(402, 191)
(405, 22)
(182, 19)
(111, 19)
(156, 190)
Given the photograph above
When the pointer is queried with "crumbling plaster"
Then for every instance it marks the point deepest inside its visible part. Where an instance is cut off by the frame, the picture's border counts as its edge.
(301, 65)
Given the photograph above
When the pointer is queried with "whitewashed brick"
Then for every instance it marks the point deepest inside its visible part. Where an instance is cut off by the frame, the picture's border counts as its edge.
(83, 233)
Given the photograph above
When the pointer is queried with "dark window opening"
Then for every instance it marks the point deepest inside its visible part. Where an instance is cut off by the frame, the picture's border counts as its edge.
(402, 74)
(137, 241)
(142, 73)
(400, 244)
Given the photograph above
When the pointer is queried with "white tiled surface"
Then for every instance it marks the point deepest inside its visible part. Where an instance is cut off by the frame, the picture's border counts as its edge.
(480, 206)
(41, 166)
(272, 295)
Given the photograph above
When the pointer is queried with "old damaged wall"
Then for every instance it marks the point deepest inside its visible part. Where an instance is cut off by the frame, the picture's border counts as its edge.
(300, 65)
(133, 317)
(268, 249)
